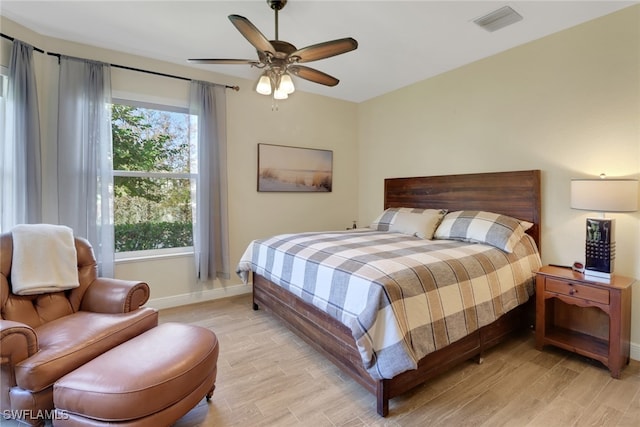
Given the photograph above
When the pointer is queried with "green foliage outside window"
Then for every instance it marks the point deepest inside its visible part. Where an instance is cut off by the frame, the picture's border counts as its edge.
(146, 236)
(151, 212)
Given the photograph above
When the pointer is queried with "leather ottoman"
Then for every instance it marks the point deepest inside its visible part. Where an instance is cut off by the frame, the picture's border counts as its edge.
(151, 380)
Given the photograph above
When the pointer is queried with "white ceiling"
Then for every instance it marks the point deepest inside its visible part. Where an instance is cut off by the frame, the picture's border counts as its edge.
(400, 42)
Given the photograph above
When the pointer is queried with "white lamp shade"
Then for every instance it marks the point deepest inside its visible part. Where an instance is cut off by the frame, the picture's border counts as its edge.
(286, 84)
(605, 195)
(280, 94)
(264, 85)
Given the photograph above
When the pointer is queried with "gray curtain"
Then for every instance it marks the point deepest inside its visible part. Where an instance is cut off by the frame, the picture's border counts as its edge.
(210, 225)
(21, 186)
(85, 176)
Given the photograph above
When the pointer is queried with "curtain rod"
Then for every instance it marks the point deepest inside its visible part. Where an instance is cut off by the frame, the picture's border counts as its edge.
(4, 36)
(57, 55)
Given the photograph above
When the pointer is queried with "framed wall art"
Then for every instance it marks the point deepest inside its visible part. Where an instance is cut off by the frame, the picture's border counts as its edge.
(294, 169)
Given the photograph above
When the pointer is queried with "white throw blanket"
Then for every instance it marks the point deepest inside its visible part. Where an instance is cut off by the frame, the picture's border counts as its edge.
(44, 259)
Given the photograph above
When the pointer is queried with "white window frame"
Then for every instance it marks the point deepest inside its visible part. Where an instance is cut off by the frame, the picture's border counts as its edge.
(4, 81)
(153, 253)
(4, 90)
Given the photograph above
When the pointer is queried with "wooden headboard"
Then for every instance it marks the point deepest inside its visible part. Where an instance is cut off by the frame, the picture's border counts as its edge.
(516, 194)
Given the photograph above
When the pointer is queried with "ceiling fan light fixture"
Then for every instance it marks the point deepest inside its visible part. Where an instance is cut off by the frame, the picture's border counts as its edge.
(264, 84)
(280, 94)
(286, 84)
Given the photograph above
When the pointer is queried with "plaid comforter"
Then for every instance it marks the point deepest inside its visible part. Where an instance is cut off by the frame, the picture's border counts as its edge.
(402, 297)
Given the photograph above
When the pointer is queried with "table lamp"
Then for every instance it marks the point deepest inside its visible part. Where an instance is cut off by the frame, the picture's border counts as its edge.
(602, 195)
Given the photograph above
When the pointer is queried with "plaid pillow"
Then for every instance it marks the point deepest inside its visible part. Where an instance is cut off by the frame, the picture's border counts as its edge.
(501, 231)
(415, 222)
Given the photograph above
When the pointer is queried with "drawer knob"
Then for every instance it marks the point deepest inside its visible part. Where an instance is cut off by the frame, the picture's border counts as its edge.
(573, 291)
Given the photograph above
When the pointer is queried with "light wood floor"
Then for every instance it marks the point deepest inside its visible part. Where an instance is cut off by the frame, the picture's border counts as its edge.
(267, 376)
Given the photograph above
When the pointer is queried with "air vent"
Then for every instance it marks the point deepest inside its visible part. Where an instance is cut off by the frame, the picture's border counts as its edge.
(498, 19)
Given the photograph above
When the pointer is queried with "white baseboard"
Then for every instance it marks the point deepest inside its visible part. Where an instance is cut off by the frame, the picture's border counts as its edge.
(196, 297)
(635, 351)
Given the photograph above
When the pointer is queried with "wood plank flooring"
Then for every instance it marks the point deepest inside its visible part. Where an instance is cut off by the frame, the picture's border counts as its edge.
(267, 376)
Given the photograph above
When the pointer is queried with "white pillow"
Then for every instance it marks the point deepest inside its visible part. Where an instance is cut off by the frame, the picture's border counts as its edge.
(501, 231)
(414, 222)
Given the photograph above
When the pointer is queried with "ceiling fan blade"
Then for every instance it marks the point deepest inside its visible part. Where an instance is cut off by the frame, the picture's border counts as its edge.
(313, 75)
(251, 33)
(324, 50)
(222, 61)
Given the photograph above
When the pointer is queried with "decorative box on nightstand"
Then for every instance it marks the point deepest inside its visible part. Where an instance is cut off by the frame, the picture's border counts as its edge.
(588, 316)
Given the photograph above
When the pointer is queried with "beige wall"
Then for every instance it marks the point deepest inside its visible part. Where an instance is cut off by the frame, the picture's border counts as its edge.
(568, 104)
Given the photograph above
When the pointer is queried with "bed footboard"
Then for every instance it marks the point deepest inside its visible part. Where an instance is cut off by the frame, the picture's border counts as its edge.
(334, 340)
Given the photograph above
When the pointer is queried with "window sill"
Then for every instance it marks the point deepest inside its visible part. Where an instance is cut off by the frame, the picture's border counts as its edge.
(149, 256)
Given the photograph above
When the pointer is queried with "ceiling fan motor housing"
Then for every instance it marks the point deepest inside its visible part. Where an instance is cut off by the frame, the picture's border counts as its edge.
(277, 4)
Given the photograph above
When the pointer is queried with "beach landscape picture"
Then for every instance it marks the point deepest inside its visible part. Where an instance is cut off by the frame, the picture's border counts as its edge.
(283, 168)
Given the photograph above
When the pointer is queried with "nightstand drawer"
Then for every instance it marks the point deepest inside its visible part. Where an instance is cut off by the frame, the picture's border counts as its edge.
(576, 290)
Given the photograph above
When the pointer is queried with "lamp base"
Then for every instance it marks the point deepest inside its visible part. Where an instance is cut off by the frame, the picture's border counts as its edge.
(600, 247)
(598, 274)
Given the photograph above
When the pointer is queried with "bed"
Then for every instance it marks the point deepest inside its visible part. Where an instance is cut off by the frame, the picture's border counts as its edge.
(513, 194)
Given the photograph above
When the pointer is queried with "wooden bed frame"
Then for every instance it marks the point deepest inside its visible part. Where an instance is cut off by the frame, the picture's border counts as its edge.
(516, 194)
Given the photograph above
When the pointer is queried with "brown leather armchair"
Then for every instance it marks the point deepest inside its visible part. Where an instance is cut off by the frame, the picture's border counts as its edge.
(45, 336)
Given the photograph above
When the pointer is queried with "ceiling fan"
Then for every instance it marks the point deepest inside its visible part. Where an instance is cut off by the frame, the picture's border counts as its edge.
(280, 59)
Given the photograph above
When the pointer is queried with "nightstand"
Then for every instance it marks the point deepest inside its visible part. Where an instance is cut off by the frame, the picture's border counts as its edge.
(588, 316)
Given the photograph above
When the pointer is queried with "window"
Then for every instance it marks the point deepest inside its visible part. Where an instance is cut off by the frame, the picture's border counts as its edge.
(152, 177)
